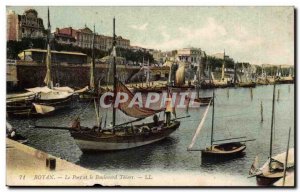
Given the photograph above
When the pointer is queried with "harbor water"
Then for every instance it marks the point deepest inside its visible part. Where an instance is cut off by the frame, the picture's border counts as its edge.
(237, 114)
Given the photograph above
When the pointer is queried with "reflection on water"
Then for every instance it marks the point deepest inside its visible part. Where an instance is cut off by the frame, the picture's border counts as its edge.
(235, 116)
(142, 157)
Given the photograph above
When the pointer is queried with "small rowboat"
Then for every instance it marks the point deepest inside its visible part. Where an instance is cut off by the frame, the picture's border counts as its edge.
(224, 150)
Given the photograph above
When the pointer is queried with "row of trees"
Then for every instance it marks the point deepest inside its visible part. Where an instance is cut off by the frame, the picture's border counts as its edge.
(15, 47)
(229, 63)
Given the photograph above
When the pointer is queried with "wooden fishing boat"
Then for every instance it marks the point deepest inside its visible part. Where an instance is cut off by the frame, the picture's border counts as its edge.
(223, 150)
(123, 137)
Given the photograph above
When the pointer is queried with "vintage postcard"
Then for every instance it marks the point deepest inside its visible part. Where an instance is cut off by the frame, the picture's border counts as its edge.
(150, 96)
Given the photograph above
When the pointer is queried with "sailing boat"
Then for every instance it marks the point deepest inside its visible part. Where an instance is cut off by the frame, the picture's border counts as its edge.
(222, 83)
(273, 169)
(202, 100)
(245, 82)
(223, 150)
(262, 80)
(217, 150)
(176, 80)
(285, 79)
(41, 100)
(148, 87)
(90, 92)
(125, 135)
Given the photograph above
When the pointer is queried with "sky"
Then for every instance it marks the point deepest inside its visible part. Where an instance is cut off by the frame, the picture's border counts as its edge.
(259, 35)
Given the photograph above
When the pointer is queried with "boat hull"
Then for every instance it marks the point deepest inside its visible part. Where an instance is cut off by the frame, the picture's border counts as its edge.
(26, 108)
(147, 90)
(203, 101)
(266, 181)
(224, 151)
(89, 140)
(110, 146)
(247, 85)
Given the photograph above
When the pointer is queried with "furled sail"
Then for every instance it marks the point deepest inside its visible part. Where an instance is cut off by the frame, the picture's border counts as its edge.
(134, 111)
(48, 80)
(180, 75)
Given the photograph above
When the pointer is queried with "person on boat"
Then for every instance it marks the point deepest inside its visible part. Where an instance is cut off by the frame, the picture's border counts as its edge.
(155, 120)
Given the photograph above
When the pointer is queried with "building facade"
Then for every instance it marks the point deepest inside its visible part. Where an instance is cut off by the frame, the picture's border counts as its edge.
(190, 55)
(84, 38)
(27, 25)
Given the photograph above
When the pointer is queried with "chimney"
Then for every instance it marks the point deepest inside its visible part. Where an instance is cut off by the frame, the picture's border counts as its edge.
(57, 30)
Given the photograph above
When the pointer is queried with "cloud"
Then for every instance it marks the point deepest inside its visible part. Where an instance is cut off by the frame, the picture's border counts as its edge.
(188, 36)
(142, 27)
(240, 42)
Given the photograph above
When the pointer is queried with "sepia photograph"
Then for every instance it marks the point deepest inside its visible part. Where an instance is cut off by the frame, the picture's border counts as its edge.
(150, 96)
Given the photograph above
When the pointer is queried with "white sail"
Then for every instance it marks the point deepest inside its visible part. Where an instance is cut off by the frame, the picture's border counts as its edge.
(199, 127)
(180, 75)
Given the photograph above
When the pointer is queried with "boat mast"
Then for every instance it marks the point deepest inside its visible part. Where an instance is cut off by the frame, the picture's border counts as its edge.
(92, 77)
(223, 66)
(48, 81)
(114, 73)
(235, 76)
(286, 157)
(272, 125)
(212, 120)
(148, 74)
(199, 77)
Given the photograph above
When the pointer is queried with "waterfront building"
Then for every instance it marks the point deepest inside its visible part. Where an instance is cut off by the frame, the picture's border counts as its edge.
(84, 37)
(65, 36)
(28, 25)
(190, 55)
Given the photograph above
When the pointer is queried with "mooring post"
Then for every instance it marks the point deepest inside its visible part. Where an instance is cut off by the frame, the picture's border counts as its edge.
(278, 94)
(261, 111)
(251, 93)
(227, 93)
(289, 88)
